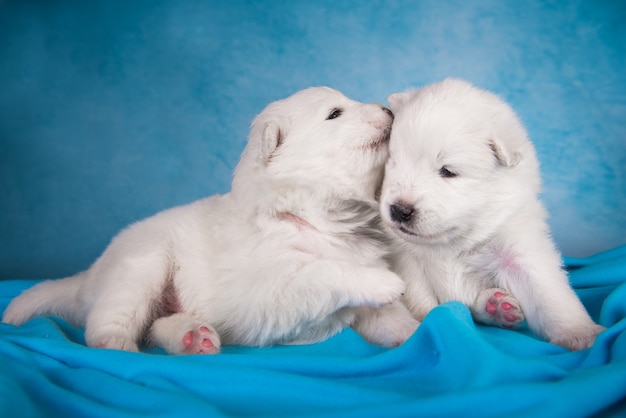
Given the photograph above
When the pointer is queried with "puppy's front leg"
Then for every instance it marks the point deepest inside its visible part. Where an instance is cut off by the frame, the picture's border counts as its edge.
(325, 286)
(419, 296)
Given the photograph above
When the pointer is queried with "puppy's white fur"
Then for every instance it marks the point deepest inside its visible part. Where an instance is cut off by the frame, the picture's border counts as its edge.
(460, 194)
(291, 255)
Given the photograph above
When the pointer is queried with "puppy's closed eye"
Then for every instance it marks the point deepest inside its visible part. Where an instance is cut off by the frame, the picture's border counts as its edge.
(334, 114)
(445, 172)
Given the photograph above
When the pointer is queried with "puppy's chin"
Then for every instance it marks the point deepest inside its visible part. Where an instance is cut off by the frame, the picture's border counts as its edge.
(379, 142)
(416, 236)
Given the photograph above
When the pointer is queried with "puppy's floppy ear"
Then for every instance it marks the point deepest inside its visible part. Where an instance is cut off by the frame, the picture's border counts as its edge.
(506, 154)
(271, 138)
(397, 100)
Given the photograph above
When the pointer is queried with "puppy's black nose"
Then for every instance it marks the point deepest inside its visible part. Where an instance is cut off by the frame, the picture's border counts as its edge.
(401, 213)
(388, 111)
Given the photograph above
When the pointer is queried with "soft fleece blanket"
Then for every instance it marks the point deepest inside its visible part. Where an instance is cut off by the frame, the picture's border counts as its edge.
(450, 367)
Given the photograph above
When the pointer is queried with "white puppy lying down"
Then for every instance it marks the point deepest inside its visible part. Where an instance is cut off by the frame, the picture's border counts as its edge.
(290, 255)
(460, 195)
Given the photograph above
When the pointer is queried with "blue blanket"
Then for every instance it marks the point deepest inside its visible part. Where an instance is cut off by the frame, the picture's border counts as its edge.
(450, 367)
(111, 111)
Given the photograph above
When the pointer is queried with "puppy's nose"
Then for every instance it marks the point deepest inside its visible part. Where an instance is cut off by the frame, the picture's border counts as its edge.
(387, 111)
(401, 213)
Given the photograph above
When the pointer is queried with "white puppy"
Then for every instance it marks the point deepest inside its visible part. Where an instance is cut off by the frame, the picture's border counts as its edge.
(289, 256)
(460, 195)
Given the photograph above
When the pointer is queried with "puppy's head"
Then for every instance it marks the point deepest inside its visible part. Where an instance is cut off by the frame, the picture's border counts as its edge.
(318, 139)
(460, 165)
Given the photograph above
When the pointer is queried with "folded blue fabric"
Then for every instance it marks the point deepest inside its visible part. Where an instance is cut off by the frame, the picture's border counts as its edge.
(450, 367)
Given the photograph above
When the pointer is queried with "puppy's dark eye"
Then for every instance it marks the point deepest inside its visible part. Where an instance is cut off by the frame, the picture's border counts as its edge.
(334, 114)
(446, 173)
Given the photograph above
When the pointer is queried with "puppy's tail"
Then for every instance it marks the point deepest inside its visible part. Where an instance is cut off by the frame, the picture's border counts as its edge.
(52, 297)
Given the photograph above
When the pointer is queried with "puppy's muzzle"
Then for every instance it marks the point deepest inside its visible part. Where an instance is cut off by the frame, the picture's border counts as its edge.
(401, 213)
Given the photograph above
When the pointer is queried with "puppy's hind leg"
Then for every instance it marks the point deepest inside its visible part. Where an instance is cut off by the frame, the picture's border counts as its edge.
(123, 300)
(550, 305)
(117, 322)
(498, 308)
(182, 333)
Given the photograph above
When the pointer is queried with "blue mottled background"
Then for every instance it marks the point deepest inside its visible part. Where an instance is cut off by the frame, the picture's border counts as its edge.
(113, 110)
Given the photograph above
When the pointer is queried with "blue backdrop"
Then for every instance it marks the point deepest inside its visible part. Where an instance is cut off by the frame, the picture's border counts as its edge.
(113, 110)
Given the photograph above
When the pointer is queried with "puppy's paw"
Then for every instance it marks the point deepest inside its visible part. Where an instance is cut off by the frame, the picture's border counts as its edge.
(577, 338)
(387, 288)
(201, 340)
(116, 342)
(498, 308)
(389, 326)
(182, 333)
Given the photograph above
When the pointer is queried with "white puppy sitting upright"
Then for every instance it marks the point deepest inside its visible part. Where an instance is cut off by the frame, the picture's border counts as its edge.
(460, 195)
(288, 256)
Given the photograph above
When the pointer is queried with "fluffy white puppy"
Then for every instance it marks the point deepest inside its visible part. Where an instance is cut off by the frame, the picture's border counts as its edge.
(460, 194)
(289, 256)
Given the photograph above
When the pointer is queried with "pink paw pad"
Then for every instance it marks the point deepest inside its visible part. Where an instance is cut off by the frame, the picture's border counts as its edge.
(504, 310)
(201, 341)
